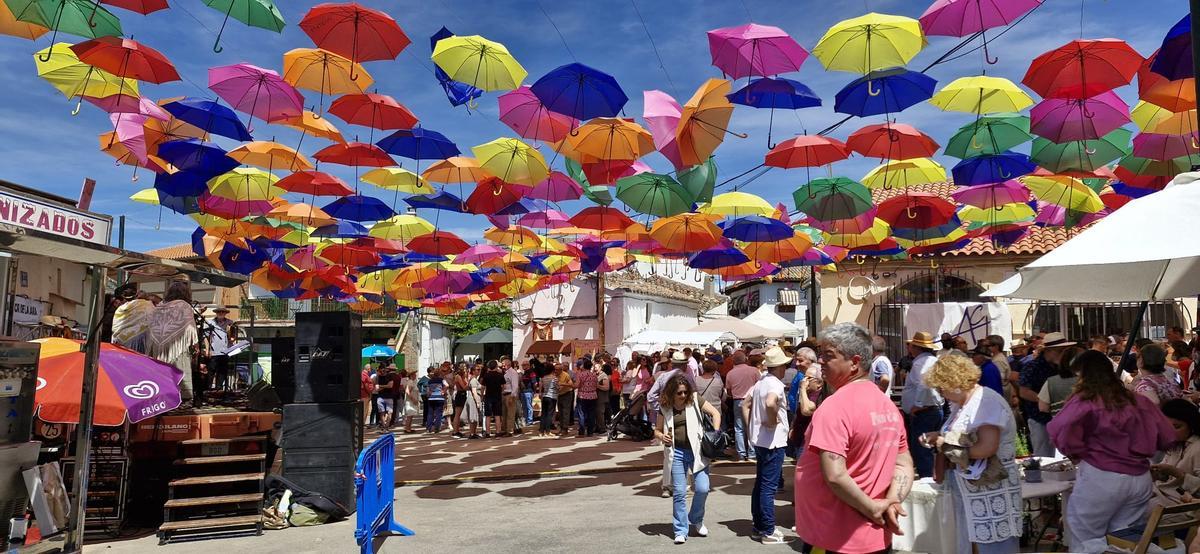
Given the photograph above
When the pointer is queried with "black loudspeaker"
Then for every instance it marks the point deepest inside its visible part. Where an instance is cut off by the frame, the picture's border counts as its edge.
(320, 445)
(262, 397)
(328, 351)
(283, 368)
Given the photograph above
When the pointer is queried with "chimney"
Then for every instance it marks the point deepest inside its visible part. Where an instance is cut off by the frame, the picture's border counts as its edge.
(710, 287)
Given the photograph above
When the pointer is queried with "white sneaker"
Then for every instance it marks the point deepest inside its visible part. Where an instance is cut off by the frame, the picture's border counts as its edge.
(773, 538)
(701, 531)
(680, 539)
(666, 493)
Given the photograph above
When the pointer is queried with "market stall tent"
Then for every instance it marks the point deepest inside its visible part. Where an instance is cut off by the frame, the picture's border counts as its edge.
(766, 318)
(744, 331)
(488, 344)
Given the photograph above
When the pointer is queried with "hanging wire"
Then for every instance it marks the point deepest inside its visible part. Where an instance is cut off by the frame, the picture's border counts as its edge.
(654, 46)
(557, 30)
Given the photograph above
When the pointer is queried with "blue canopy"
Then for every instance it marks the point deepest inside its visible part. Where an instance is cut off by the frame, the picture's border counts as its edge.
(202, 158)
(580, 91)
(886, 91)
(1174, 58)
(210, 116)
(457, 93)
(418, 144)
(982, 170)
(359, 208)
(777, 92)
(378, 351)
(756, 228)
(438, 201)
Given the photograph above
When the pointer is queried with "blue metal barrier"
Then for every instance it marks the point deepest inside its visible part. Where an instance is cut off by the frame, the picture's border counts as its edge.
(375, 485)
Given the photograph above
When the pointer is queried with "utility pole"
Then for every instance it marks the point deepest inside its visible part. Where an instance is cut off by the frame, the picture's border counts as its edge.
(600, 307)
(814, 301)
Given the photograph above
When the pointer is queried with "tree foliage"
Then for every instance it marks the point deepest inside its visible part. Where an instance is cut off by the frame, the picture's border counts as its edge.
(480, 318)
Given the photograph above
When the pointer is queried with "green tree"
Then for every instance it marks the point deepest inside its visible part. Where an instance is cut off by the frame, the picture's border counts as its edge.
(480, 318)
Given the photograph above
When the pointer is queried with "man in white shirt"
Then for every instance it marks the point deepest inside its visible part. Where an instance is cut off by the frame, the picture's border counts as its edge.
(881, 366)
(922, 406)
(512, 387)
(766, 410)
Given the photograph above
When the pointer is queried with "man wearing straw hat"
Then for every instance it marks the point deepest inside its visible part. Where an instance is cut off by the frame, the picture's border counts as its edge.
(922, 406)
(1033, 376)
(766, 410)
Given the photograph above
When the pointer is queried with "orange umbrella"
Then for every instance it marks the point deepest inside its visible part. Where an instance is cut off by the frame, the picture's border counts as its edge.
(612, 138)
(513, 237)
(270, 155)
(273, 277)
(302, 213)
(312, 124)
(687, 232)
(9, 25)
(704, 122)
(346, 255)
(791, 248)
(456, 169)
(601, 218)
(324, 72)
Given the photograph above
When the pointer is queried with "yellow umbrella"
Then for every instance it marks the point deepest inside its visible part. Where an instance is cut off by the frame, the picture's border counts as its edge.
(65, 72)
(870, 43)
(981, 95)
(517, 287)
(401, 227)
(1064, 190)
(312, 124)
(875, 234)
(549, 245)
(270, 155)
(738, 204)
(479, 62)
(146, 196)
(1008, 212)
(324, 72)
(611, 138)
(1182, 123)
(456, 169)
(704, 122)
(245, 183)
(397, 179)
(10, 25)
(512, 161)
(905, 173)
(1146, 115)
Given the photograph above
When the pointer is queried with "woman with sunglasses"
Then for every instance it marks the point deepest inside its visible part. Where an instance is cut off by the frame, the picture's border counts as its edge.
(680, 426)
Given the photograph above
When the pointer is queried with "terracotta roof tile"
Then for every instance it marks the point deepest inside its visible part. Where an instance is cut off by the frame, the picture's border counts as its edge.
(174, 252)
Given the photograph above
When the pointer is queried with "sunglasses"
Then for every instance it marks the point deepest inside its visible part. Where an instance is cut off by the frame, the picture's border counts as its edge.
(681, 393)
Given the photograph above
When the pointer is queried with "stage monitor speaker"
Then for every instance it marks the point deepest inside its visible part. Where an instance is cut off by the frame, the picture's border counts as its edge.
(328, 352)
(283, 368)
(320, 445)
(262, 397)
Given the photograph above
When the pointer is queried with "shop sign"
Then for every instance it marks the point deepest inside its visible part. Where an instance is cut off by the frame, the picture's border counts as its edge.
(49, 218)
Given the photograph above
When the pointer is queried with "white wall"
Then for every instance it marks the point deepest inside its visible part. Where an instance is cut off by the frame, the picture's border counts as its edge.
(436, 345)
(768, 293)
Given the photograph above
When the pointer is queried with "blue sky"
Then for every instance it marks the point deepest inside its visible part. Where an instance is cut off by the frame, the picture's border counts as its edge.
(46, 148)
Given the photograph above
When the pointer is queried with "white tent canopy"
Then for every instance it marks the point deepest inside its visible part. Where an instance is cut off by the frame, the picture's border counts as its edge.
(743, 330)
(766, 318)
(1147, 250)
(652, 340)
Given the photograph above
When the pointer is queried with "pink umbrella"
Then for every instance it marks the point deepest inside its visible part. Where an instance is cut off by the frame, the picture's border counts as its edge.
(500, 221)
(1165, 147)
(1050, 215)
(992, 195)
(754, 49)
(525, 114)
(480, 253)
(662, 114)
(130, 131)
(1063, 120)
(250, 89)
(556, 188)
(446, 282)
(305, 258)
(959, 18)
(549, 219)
(126, 104)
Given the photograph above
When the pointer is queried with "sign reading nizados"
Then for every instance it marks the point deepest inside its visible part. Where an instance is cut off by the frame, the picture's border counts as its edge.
(42, 216)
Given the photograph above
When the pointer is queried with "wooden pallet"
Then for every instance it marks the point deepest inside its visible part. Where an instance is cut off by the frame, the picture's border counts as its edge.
(215, 493)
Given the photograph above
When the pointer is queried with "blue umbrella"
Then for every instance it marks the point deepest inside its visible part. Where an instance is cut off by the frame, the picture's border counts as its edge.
(982, 170)
(210, 116)
(1174, 59)
(580, 91)
(928, 233)
(342, 230)
(202, 158)
(181, 183)
(777, 92)
(184, 205)
(438, 201)
(457, 93)
(756, 228)
(715, 258)
(293, 291)
(359, 208)
(821, 259)
(888, 249)
(419, 258)
(419, 144)
(378, 351)
(886, 91)
(239, 260)
(1130, 190)
(524, 206)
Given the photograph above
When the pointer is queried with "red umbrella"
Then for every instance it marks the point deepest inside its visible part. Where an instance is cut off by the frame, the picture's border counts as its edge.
(807, 151)
(358, 154)
(916, 210)
(892, 141)
(438, 243)
(601, 218)
(355, 32)
(315, 183)
(377, 111)
(140, 6)
(1156, 182)
(492, 195)
(1083, 68)
(342, 254)
(126, 58)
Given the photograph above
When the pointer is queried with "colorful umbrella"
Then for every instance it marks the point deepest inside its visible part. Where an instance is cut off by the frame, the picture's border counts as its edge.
(662, 114)
(753, 49)
(397, 179)
(892, 141)
(126, 58)
(959, 18)
(255, 13)
(601, 218)
(359, 208)
(457, 93)
(356, 154)
(1175, 61)
(310, 123)
(259, 92)
(611, 138)
(419, 143)
(245, 183)
(905, 173)
(1178, 95)
(10, 25)
(492, 195)
(704, 121)
(128, 385)
(377, 111)
(315, 183)
(717, 257)
(578, 91)
(1067, 192)
(270, 156)
(302, 213)
(195, 155)
(883, 92)
(756, 228)
(209, 116)
(479, 62)
(60, 67)
(1083, 68)
(807, 151)
(700, 180)
(1165, 147)
(83, 18)
(524, 113)
(401, 227)
(456, 169)
(546, 219)
(981, 95)
(557, 187)
(686, 232)
(438, 201)
(989, 135)
(991, 195)
(832, 198)
(1082, 155)
(324, 72)
(916, 210)
(738, 204)
(654, 194)
(354, 32)
(1068, 119)
(869, 43)
(786, 250)
(992, 169)
(512, 161)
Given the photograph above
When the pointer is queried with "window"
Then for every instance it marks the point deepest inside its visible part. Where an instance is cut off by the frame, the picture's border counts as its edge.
(928, 288)
(1080, 321)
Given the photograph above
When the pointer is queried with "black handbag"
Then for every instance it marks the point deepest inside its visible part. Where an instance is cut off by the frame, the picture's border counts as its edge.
(714, 443)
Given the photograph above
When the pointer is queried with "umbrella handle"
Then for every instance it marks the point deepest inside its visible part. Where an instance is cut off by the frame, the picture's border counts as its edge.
(473, 103)
(738, 135)
(353, 76)
(1090, 151)
(1002, 175)
(933, 263)
(908, 211)
(860, 260)
(217, 48)
(92, 18)
(79, 105)
(975, 144)
(699, 276)
(49, 53)
(871, 90)
(1194, 145)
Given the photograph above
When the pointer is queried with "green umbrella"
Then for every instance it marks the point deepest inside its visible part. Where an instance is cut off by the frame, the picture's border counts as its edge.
(575, 171)
(989, 135)
(831, 198)
(1156, 168)
(255, 13)
(654, 194)
(83, 18)
(700, 180)
(600, 194)
(1096, 183)
(1081, 155)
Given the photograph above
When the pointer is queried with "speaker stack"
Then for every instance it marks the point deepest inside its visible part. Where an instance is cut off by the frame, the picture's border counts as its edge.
(322, 411)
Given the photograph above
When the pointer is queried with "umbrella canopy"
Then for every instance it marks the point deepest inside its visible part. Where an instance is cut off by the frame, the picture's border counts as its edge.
(905, 173)
(700, 180)
(893, 141)
(494, 335)
(324, 72)
(354, 154)
(786, 250)
(359, 208)
(662, 114)
(456, 169)
(1083, 68)
(1081, 155)
(479, 62)
(754, 49)
(378, 351)
(654, 194)
(129, 386)
(687, 232)
(981, 95)
(882, 92)
(869, 43)
(60, 67)
(209, 116)
(512, 161)
(601, 218)
(315, 183)
(245, 183)
(992, 169)
(438, 243)
(377, 111)
(578, 91)
(989, 135)
(1165, 147)
(807, 151)
(1068, 192)
(10, 25)
(704, 121)
(419, 144)
(525, 114)
(310, 123)
(959, 18)
(756, 228)
(916, 210)
(259, 92)
(270, 156)
(354, 32)
(1067, 119)
(767, 92)
(832, 198)
(1175, 61)
(255, 13)
(991, 195)
(557, 187)
(611, 138)
(738, 204)
(1125, 257)
(401, 227)
(83, 18)
(126, 58)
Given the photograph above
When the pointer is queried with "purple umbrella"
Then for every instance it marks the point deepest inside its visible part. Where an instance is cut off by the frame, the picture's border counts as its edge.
(250, 89)
(556, 188)
(549, 219)
(480, 253)
(992, 195)
(446, 282)
(754, 49)
(1165, 147)
(1063, 120)
(128, 384)
(959, 18)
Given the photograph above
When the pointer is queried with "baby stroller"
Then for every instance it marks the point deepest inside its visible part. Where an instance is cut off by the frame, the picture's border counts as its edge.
(626, 423)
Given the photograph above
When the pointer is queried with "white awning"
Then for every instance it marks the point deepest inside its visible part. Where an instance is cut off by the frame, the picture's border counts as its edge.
(789, 297)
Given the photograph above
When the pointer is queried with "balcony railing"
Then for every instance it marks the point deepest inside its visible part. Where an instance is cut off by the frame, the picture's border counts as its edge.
(281, 309)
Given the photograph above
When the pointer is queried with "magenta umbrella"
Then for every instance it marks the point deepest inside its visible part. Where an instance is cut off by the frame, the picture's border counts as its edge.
(1064, 120)
(1165, 147)
(754, 49)
(556, 188)
(662, 114)
(480, 253)
(549, 219)
(131, 132)
(521, 110)
(959, 18)
(250, 89)
(124, 103)
(992, 194)
(446, 282)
